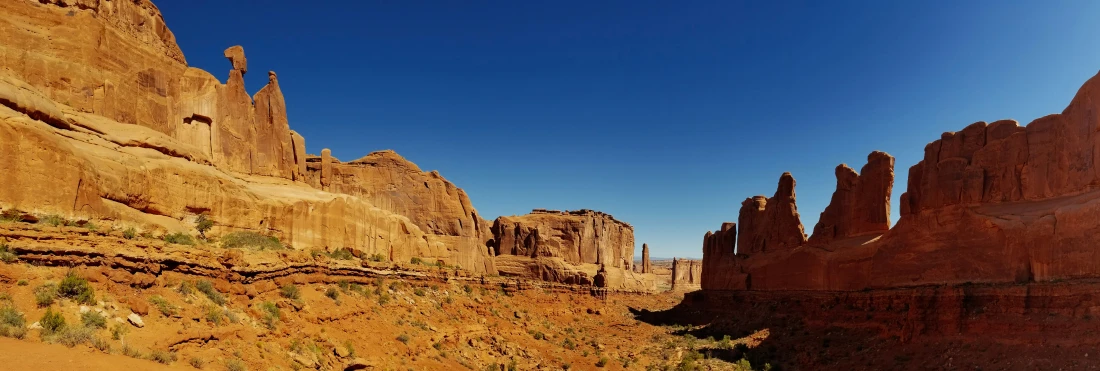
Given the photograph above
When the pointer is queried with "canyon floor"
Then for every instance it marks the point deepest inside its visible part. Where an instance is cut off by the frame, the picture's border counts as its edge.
(204, 306)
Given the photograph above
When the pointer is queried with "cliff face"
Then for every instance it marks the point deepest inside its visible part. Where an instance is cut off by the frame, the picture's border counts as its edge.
(585, 239)
(994, 203)
(97, 102)
(771, 224)
(686, 274)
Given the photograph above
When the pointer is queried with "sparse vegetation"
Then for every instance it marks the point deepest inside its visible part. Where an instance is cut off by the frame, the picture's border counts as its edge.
(271, 315)
(290, 291)
(101, 344)
(215, 315)
(118, 331)
(377, 258)
(12, 322)
(419, 292)
(131, 352)
(179, 238)
(203, 224)
(383, 298)
(6, 255)
(235, 365)
(251, 240)
(162, 304)
(197, 362)
(415, 261)
(76, 288)
(94, 320)
(54, 220)
(163, 357)
(602, 362)
(129, 233)
(11, 215)
(51, 322)
(341, 254)
(45, 295)
(72, 336)
(207, 288)
(403, 338)
(332, 293)
(22, 282)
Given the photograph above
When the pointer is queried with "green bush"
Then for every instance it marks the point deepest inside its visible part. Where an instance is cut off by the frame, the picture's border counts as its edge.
(332, 293)
(383, 298)
(378, 258)
(179, 238)
(131, 352)
(162, 357)
(419, 292)
(203, 224)
(602, 362)
(52, 322)
(54, 220)
(6, 255)
(271, 315)
(129, 233)
(251, 240)
(290, 291)
(403, 338)
(76, 288)
(416, 260)
(162, 304)
(92, 319)
(341, 254)
(118, 331)
(197, 362)
(235, 365)
(72, 336)
(207, 288)
(44, 295)
(11, 215)
(215, 315)
(12, 323)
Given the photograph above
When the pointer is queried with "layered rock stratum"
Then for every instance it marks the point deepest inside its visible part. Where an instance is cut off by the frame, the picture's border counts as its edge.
(98, 104)
(993, 203)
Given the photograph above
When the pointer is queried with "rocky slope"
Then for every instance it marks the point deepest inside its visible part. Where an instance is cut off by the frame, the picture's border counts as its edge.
(993, 203)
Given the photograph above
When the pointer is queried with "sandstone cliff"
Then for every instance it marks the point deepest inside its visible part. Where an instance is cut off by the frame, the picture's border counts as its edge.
(98, 104)
(572, 244)
(770, 224)
(686, 274)
(994, 203)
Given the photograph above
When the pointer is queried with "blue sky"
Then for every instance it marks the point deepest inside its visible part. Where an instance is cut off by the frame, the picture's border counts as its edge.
(664, 114)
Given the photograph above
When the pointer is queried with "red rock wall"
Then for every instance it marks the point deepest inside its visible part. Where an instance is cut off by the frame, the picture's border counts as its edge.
(578, 237)
(992, 203)
(771, 224)
(686, 274)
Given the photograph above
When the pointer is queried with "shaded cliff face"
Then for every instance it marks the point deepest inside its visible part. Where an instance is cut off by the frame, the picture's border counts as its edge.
(992, 203)
(686, 274)
(770, 224)
(96, 100)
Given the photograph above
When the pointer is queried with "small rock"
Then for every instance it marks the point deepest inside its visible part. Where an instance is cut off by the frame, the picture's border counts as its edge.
(303, 360)
(519, 315)
(36, 326)
(84, 309)
(138, 306)
(342, 351)
(135, 320)
(358, 364)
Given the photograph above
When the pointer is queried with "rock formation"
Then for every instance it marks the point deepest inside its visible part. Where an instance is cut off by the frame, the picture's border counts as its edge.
(993, 203)
(434, 204)
(719, 265)
(97, 101)
(646, 266)
(565, 243)
(770, 224)
(686, 274)
(861, 203)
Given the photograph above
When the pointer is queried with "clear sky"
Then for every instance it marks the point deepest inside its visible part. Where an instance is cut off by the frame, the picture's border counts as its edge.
(666, 114)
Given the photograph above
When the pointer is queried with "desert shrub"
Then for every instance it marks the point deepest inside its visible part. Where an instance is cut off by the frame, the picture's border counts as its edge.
(72, 336)
(118, 331)
(129, 233)
(332, 293)
(6, 255)
(179, 238)
(419, 292)
(101, 344)
(162, 304)
(11, 215)
(355, 287)
(602, 362)
(91, 226)
(383, 298)
(469, 290)
(22, 282)
(215, 315)
(51, 322)
(290, 291)
(131, 352)
(251, 240)
(203, 224)
(341, 254)
(207, 288)
(271, 315)
(235, 365)
(197, 362)
(76, 288)
(416, 260)
(92, 319)
(403, 338)
(163, 357)
(45, 295)
(378, 258)
(53, 220)
(569, 344)
(538, 335)
(186, 288)
(12, 322)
